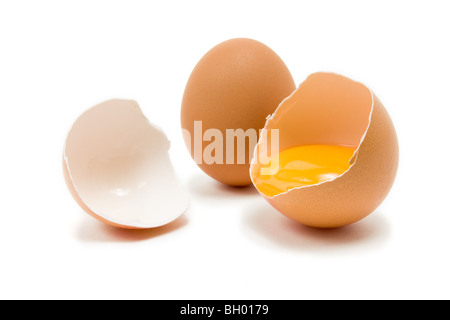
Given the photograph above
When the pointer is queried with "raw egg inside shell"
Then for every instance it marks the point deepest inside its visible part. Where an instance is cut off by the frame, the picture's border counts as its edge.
(335, 157)
(303, 166)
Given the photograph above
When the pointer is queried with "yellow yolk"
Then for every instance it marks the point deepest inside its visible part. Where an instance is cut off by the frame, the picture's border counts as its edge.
(303, 166)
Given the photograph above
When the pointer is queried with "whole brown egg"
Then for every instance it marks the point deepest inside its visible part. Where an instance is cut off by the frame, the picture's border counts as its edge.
(229, 95)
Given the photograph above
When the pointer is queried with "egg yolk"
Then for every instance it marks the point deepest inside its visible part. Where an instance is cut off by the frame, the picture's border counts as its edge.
(303, 166)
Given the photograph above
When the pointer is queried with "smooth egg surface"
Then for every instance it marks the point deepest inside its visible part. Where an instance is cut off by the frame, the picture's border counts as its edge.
(235, 86)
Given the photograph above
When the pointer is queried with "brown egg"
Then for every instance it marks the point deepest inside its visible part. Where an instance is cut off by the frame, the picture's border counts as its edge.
(236, 85)
(332, 110)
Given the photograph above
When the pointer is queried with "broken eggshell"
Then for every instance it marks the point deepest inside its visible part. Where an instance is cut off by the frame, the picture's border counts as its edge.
(117, 167)
(331, 109)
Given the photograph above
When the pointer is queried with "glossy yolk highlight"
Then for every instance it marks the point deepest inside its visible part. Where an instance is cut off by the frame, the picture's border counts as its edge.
(303, 166)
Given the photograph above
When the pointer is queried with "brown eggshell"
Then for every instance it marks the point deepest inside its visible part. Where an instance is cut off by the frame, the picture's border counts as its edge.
(117, 167)
(83, 206)
(331, 109)
(236, 85)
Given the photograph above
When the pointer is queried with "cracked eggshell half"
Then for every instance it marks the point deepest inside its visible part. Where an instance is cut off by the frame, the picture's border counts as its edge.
(334, 110)
(117, 167)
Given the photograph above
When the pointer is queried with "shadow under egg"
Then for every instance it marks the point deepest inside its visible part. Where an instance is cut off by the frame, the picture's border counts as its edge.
(203, 186)
(266, 225)
(91, 230)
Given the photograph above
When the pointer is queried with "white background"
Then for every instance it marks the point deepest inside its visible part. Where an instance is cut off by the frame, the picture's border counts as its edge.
(58, 58)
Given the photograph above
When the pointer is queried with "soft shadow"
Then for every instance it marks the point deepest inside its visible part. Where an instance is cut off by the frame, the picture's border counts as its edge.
(204, 186)
(267, 226)
(91, 230)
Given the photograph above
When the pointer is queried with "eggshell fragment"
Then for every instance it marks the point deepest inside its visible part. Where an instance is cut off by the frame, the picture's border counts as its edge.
(331, 109)
(117, 167)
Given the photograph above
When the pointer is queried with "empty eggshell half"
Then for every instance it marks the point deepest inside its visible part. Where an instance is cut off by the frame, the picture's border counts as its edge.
(117, 167)
(333, 110)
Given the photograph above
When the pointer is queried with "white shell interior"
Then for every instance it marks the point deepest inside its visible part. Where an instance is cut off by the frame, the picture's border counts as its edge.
(119, 166)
